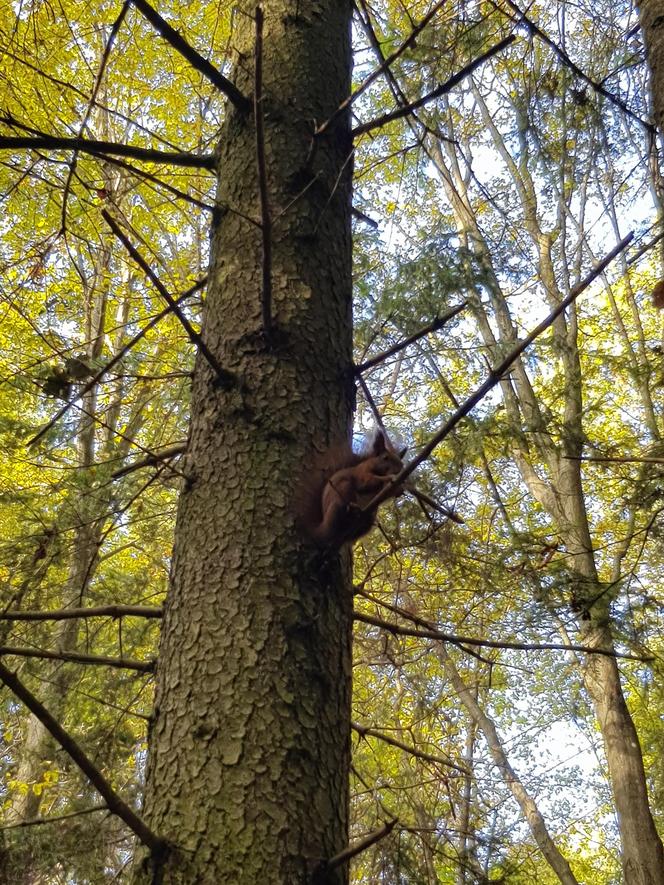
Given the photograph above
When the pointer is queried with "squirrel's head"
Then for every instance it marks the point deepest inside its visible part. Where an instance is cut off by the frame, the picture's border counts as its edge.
(387, 460)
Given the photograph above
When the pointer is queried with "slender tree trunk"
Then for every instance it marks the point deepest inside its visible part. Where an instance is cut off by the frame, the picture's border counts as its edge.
(561, 494)
(529, 809)
(249, 749)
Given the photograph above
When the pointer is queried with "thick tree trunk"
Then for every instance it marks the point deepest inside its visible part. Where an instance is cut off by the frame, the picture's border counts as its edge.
(249, 750)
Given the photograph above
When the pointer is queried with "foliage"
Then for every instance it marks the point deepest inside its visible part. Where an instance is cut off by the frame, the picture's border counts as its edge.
(522, 163)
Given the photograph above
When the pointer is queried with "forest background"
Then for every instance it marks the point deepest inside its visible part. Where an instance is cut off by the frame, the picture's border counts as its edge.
(498, 153)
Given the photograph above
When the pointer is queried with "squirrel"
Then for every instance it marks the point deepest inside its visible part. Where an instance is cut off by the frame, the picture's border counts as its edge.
(333, 511)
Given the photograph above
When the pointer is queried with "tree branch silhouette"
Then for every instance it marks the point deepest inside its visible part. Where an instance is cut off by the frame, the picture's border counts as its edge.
(115, 804)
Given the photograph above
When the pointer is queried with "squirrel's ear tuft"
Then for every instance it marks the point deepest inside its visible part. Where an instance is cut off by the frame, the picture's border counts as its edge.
(379, 444)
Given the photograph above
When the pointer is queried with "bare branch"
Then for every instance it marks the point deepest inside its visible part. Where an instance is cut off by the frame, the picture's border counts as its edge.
(226, 379)
(39, 821)
(383, 66)
(383, 120)
(150, 460)
(433, 326)
(430, 632)
(495, 375)
(99, 611)
(148, 176)
(360, 216)
(361, 845)
(117, 24)
(115, 804)
(75, 658)
(194, 58)
(100, 148)
(266, 220)
(566, 60)
(115, 360)
(364, 731)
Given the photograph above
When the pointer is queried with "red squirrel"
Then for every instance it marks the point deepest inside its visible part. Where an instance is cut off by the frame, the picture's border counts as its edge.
(333, 512)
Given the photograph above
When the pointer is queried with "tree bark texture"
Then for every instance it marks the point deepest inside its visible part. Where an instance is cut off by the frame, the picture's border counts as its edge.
(249, 749)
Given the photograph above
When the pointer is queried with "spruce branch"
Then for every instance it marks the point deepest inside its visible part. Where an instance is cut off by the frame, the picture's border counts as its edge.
(151, 459)
(365, 731)
(100, 148)
(385, 65)
(496, 375)
(194, 58)
(225, 378)
(116, 805)
(445, 87)
(99, 611)
(437, 323)
(428, 631)
(361, 845)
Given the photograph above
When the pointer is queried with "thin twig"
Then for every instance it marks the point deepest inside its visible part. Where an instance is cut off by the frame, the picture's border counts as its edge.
(99, 148)
(226, 379)
(115, 360)
(383, 120)
(266, 220)
(116, 805)
(433, 326)
(495, 376)
(75, 658)
(383, 66)
(148, 176)
(440, 636)
(39, 821)
(194, 58)
(372, 404)
(642, 251)
(364, 731)
(99, 611)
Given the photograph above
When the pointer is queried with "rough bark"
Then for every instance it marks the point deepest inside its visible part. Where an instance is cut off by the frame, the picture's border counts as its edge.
(249, 749)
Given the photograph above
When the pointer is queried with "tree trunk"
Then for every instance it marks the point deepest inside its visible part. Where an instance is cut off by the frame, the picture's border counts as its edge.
(529, 809)
(249, 749)
(561, 494)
